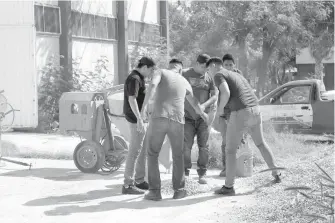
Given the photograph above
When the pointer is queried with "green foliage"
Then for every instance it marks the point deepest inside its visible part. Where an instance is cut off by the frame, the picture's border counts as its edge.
(158, 52)
(264, 36)
(54, 82)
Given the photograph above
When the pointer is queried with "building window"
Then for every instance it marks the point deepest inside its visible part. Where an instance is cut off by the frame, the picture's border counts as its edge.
(93, 26)
(47, 19)
(143, 32)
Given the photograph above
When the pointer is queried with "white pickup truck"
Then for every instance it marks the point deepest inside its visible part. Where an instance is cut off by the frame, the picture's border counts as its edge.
(300, 105)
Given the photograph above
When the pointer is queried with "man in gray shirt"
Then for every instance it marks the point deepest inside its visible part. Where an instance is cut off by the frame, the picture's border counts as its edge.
(167, 118)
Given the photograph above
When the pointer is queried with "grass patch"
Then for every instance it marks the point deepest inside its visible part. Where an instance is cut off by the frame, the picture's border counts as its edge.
(298, 154)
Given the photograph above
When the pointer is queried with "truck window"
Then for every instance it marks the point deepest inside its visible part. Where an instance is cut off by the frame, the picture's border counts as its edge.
(296, 95)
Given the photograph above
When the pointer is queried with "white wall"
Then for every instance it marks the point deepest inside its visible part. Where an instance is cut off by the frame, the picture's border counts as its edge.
(305, 57)
(97, 7)
(90, 51)
(139, 11)
(18, 74)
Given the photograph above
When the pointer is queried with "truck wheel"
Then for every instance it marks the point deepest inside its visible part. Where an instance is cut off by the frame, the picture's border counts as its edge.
(89, 156)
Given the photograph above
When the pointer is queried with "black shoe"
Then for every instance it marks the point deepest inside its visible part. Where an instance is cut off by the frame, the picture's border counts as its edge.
(131, 190)
(228, 191)
(179, 194)
(187, 172)
(153, 195)
(143, 186)
(277, 179)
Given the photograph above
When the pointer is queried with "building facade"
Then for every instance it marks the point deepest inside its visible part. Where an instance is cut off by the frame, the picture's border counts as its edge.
(306, 65)
(85, 30)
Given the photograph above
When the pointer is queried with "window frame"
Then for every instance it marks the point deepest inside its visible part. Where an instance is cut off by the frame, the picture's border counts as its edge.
(59, 18)
(278, 94)
(94, 27)
(145, 42)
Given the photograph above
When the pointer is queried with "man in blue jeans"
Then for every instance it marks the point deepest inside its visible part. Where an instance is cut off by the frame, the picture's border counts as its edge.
(237, 94)
(167, 118)
(134, 93)
(205, 91)
(229, 64)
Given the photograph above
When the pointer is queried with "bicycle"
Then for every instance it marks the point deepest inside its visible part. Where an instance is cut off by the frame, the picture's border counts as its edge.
(7, 113)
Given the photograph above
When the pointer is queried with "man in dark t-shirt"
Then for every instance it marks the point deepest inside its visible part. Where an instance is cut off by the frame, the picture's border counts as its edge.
(134, 94)
(229, 64)
(205, 91)
(236, 93)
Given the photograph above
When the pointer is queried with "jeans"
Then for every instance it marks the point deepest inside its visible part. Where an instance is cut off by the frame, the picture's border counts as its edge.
(136, 158)
(200, 129)
(241, 121)
(223, 131)
(158, 129)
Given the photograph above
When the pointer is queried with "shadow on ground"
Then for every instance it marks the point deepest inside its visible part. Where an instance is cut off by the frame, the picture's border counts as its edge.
(130, 202)
(63, 174)
(71, 203)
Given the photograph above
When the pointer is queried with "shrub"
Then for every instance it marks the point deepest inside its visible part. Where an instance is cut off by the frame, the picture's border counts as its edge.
(54, 82)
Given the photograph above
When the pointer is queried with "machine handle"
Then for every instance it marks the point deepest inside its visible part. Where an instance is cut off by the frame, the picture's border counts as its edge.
(304, 107)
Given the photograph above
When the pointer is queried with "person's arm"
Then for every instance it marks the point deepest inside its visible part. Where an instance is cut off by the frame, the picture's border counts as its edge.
(214, 95)
(224, 96)
(195, 104)
(133, 87)
(224, 93)
(151, 90)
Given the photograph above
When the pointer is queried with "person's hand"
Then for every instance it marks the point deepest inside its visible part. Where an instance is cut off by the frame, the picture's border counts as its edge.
(202, 107)
(144, 114)
(205, 117)
(140, 125)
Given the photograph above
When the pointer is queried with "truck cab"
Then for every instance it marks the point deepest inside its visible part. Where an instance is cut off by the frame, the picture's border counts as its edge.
(300, 105)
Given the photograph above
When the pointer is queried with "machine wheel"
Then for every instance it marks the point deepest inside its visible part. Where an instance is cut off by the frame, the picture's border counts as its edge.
(114, 159)
(89, 156)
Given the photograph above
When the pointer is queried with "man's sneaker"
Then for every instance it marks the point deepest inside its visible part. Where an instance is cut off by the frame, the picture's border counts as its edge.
(202, 180)
(153, 195)
(223, 173)
(131, 190)
(179, 194)
(187, 172)
(225, 191)
(143, 186)
(277, 179)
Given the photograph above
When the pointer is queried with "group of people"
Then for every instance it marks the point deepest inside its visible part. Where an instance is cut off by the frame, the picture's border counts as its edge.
(215, 91)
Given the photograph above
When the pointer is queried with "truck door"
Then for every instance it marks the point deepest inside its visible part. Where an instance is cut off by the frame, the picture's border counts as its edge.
(291, 106)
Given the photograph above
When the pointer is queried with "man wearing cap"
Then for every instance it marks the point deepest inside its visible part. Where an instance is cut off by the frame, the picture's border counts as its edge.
(134, 93)
(205, 91)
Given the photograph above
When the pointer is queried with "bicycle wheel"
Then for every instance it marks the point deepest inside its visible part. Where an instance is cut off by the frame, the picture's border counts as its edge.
(8, 118)
(3, 103)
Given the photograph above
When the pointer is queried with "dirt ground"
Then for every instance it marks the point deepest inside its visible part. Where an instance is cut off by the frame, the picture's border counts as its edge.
(55, 191)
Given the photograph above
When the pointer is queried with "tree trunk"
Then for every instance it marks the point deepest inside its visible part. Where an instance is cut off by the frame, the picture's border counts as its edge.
(242, 55)
(319, 69)
(262, 71)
